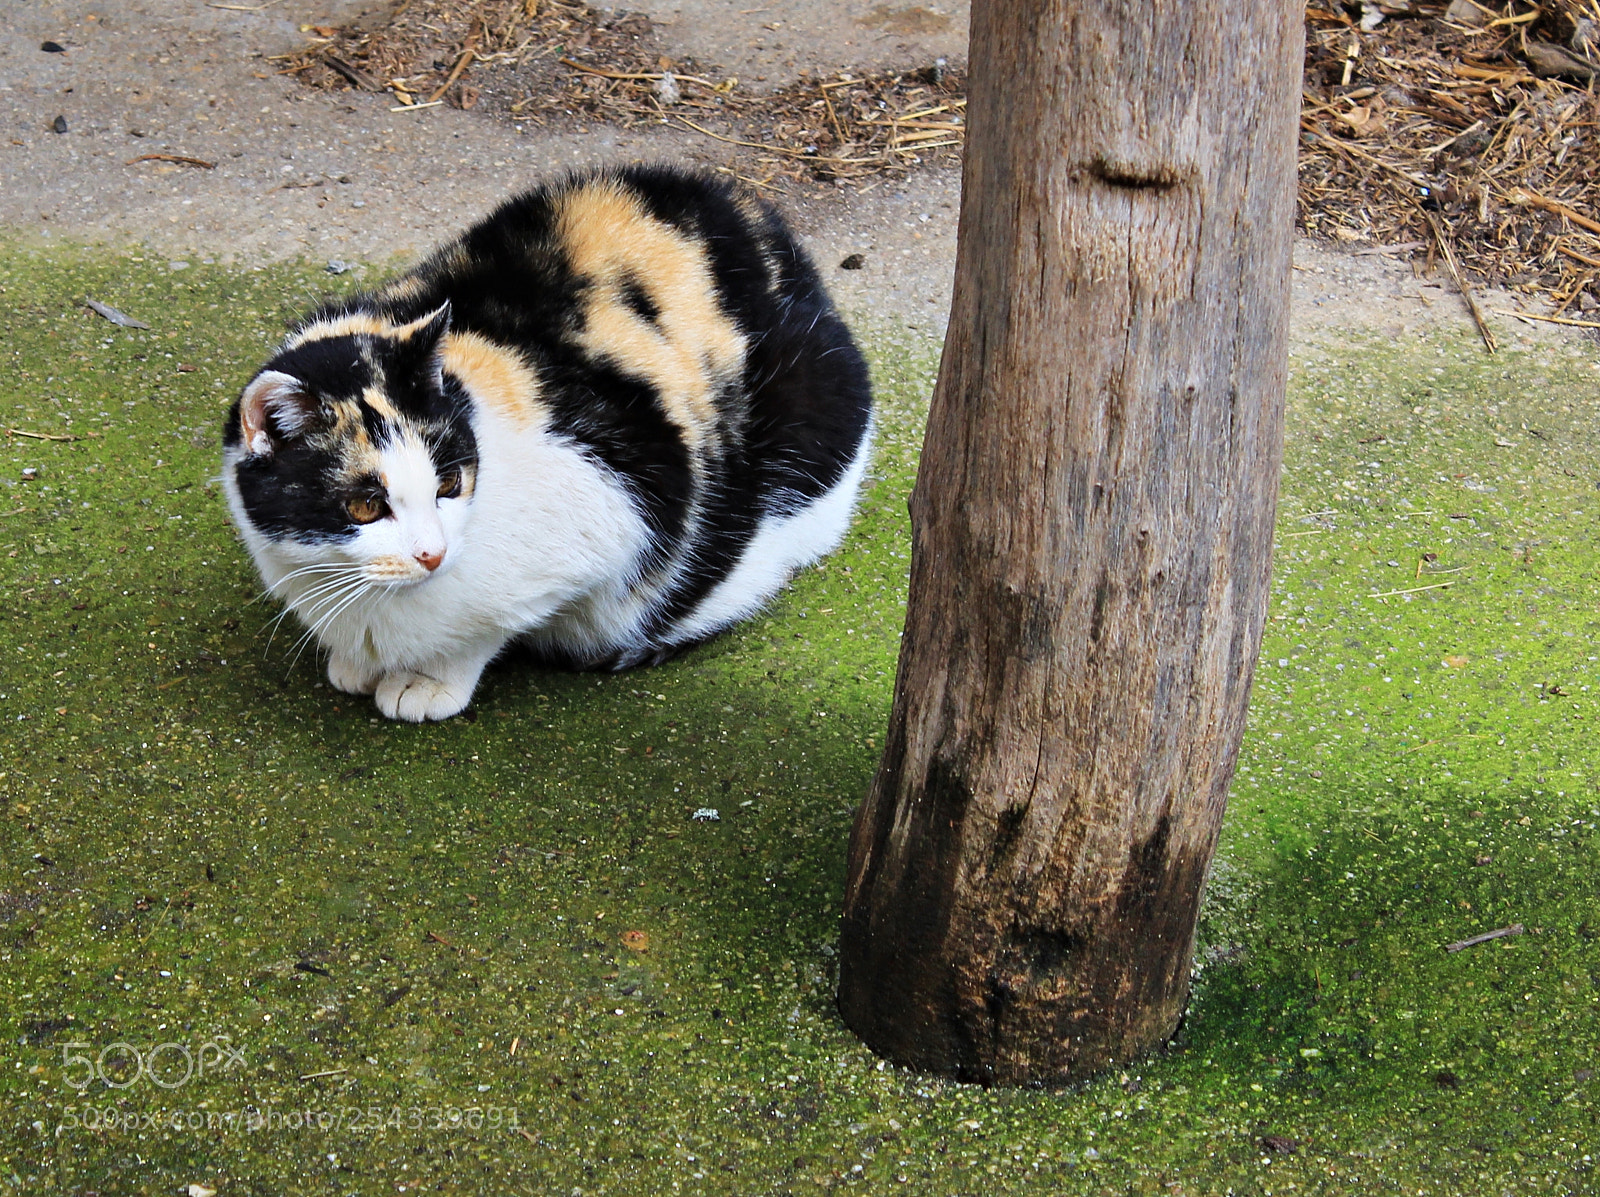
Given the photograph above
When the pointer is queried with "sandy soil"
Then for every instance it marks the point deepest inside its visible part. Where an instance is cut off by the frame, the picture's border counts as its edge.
(343, 177)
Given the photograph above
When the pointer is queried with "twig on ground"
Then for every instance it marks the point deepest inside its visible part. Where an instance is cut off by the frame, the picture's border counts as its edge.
(353, 73)
(1403, 247)
(1573, 292)
(1550, 319)
(644, 76)
(1413, 590)
(42, 436)
(1461, 283)
(455, 73)
(200, 162)
(1538, 201)
(753, 145)
(1474, 941)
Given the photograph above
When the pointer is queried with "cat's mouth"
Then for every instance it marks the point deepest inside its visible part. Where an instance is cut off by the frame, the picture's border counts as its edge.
(399, 572)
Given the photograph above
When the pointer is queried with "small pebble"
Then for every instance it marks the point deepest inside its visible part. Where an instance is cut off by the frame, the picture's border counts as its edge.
(853, 262)
(667, 89)
(52, 47)
(59, 125)
(29, 474)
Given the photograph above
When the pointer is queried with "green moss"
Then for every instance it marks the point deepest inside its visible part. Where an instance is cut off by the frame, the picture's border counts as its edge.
(203, 845)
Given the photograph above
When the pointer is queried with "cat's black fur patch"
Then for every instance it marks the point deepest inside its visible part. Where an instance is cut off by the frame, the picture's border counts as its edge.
(638, 299)
(293, 495)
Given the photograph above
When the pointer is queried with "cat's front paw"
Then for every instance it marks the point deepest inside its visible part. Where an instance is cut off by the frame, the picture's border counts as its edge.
(416, 697)
(352, 677)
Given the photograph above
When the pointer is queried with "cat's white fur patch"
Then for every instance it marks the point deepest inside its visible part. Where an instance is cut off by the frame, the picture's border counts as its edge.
(781, 545)
(423, 525)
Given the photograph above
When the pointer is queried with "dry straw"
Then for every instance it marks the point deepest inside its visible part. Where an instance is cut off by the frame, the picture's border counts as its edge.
(542, 61)
(1448, 129)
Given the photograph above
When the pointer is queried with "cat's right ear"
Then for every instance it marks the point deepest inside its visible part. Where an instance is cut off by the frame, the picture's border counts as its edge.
(273, 408)
(434, 325)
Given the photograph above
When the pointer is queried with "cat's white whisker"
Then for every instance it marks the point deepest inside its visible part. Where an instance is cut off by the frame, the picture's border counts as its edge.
(272, 629)
(312, 598)
(272, 626)
(309, 601)
(274, 590)
(318, 592)
(328, 597)
(323, 567)
(344, 600)
(277, 588)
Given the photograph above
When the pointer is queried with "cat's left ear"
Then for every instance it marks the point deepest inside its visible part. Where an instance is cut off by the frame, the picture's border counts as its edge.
(275, 406)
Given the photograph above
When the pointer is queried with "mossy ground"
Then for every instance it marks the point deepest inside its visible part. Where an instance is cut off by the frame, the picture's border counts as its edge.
(420, 942)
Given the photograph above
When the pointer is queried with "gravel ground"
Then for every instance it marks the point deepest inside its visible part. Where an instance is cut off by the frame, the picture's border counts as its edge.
(339, 176)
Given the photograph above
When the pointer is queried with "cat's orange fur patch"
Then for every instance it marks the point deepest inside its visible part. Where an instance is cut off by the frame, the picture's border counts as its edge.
(359, 324)
(358, 456)
(348, 425)
(402, 289)
(374, 398)
(391, 568)
(495, 376)
(691, 349)
(353, 324)
(404, 332)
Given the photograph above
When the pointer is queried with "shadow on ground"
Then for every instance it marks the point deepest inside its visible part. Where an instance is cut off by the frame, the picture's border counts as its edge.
(258, 940)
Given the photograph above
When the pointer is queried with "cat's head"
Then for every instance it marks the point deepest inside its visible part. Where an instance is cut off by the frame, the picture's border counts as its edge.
(352, 447)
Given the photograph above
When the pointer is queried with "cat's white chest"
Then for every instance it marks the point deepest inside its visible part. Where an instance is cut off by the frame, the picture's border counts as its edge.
(547, 527)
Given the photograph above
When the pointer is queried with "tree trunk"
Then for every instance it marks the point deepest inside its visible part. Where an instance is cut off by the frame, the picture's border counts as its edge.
(1092, 539)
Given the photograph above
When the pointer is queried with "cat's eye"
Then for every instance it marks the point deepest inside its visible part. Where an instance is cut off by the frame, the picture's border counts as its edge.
(450, 483)
(365, 509)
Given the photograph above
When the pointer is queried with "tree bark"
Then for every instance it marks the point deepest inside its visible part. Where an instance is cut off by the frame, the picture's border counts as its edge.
(1092, 537)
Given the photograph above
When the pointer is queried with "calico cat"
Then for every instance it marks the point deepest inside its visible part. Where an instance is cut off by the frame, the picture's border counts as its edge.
(609, 420)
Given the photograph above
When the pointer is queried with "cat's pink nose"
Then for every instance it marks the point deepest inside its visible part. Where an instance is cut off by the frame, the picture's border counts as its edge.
(429, 560)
